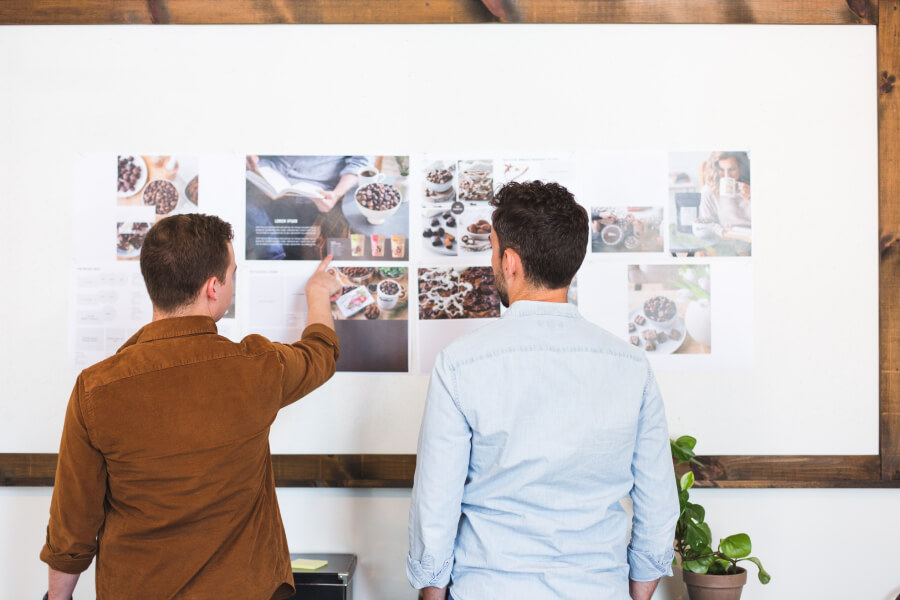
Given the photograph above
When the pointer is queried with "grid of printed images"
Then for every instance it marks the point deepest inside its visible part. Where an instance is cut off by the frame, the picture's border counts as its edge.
(300, 208)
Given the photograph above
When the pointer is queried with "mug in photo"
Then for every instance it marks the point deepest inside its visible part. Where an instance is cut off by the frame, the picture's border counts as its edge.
(369, 175)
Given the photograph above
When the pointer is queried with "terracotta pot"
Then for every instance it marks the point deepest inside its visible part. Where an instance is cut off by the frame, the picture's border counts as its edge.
(715, 587)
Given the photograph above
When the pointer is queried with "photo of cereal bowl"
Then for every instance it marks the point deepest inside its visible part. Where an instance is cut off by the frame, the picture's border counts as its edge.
(378, 201)
(661, 311)
(439, 180)
(705, 229)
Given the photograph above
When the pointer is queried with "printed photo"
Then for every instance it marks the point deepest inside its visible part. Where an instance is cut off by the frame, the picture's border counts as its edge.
(709, 203)
(440, 182)
(305, 207)
(457, 293)
(167, 184)
(626, 229)
(130, 239)
(669, 309)
(476, 181)
(372, 294)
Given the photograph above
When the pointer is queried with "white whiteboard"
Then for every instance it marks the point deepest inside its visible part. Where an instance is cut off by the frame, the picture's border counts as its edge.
(800, 98)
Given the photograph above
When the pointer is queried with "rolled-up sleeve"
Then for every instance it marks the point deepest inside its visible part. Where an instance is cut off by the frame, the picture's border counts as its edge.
(442, 462)
(654, 494)
(352, 164)
(76, 509)
(309, 362)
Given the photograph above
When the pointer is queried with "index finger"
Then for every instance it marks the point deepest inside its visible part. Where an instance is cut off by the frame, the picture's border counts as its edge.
(324, 264)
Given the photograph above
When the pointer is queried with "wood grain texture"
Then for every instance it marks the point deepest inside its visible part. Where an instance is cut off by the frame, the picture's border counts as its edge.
(889, 226)
(49, 12)
(397, 470)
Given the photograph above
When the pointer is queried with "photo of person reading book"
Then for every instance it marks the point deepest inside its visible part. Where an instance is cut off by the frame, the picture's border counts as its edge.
(293, 204)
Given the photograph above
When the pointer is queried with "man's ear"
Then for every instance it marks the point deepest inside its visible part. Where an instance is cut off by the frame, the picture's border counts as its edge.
(512, 266)
(211, 289)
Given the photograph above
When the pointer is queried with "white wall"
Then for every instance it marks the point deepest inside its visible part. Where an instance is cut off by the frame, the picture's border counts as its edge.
(823, 544)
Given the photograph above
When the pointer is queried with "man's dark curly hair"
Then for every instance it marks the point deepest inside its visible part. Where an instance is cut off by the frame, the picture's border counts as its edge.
(545, 226)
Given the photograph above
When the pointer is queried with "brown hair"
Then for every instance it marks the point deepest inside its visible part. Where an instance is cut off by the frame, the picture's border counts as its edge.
(180, 253)
(545, 226)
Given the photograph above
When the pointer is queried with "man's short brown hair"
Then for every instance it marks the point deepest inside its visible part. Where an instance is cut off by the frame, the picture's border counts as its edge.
(545, 226)
(180, 253)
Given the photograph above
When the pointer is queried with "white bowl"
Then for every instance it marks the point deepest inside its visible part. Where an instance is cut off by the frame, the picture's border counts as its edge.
(377, 217)
(664, 324)
(438, 188)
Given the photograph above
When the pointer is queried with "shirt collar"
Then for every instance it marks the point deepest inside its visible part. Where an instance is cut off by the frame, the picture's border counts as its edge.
(524, 308)
(171, 328)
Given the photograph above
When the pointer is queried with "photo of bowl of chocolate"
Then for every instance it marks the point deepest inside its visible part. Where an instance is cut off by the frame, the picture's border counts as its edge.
(389, 292)
(378, 201)
(132, 175)
(192, 189)
(480, 229)
(438, 181)
(661, 311)
(161, 194)
(359, 275)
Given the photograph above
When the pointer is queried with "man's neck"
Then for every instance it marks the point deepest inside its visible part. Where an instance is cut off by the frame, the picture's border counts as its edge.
(190, 310)
(540, 295)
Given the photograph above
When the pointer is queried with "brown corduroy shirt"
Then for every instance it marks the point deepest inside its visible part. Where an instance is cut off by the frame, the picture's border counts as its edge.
(164, 469)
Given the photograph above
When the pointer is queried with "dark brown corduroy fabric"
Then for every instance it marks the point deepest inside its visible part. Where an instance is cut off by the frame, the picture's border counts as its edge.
(164, 469)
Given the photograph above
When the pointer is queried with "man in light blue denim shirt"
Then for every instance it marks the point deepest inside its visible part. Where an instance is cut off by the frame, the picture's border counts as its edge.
(535, 427)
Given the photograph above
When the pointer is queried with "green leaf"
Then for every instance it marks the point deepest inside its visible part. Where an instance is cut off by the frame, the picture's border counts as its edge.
(681, 454)
(694, 566)
(687, 480)
(686, 441)
(697, 534)
(683, 497)
(719, 567)
(764, 576)
(695, 512)
(735, 546)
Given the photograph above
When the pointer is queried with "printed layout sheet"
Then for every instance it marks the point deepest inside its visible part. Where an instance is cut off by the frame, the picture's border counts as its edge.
(668, 266)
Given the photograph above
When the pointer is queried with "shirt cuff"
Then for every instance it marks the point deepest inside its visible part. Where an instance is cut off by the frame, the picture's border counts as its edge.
(645, 566)
(72, 564)
(326, 334)
(421, 573)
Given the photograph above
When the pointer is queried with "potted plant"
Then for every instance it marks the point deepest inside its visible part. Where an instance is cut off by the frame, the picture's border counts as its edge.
(709, 574)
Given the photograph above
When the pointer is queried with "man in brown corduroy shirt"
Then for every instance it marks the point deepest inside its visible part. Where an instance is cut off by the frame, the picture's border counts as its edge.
(164, 469)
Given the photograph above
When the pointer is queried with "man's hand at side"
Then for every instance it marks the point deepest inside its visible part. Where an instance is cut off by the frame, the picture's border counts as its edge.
(320, 289)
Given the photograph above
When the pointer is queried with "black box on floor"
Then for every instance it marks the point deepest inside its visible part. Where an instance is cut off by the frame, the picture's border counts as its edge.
(334, 581)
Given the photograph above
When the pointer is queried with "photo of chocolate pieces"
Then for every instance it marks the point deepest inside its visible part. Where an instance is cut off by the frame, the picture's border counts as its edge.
(439, 232)
(448, 293)
(130, 238)
(476, 181)
(132, 175)
(655, 325)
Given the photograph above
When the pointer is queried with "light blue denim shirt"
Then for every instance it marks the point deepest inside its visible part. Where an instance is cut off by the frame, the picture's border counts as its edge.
(535, 427)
